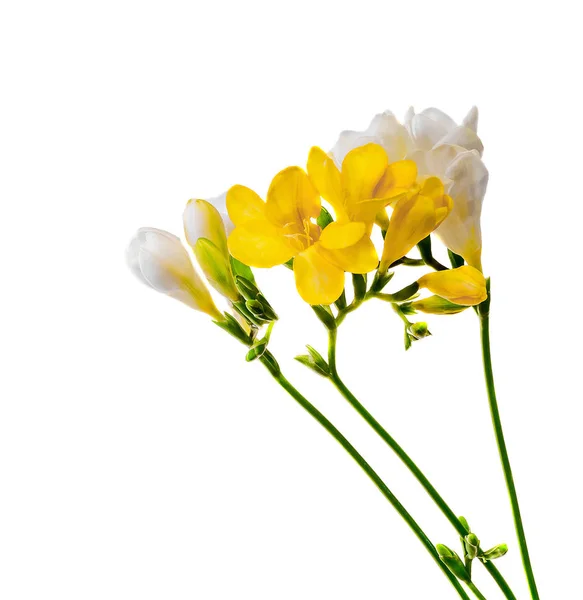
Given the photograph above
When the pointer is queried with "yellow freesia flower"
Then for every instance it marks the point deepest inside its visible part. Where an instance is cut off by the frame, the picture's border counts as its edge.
(464, 285)
(269, 233)
(414, 217)
(364, 186)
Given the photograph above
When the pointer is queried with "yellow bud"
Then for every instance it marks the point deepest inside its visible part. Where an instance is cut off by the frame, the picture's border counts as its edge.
(413, 219)
(205, 232)
(464, 285)
(435, 305)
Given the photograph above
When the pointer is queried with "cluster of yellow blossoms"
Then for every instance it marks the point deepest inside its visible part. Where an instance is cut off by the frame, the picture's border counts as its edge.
(409, 180)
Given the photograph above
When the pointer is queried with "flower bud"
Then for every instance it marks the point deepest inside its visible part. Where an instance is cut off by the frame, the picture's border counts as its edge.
(471, 545)
(159, 260)
(436, 305)
(453, 562)
(205, 232)
(464, 285)
(495, 552)
(419, 330)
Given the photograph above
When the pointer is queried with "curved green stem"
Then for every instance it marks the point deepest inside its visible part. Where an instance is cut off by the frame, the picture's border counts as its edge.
(496, 421)
(269, 361)
(406, 459)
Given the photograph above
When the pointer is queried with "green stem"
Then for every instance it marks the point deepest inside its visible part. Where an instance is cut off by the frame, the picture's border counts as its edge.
(496, 421)
(405, 458)
(476, 591)
(269, 361)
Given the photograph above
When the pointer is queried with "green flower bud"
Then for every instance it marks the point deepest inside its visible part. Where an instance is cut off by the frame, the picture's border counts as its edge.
(257, 350)
(419, 330)
(453, 562)
(471, 545)
(495, 552)
(435, 305)
(464, 522)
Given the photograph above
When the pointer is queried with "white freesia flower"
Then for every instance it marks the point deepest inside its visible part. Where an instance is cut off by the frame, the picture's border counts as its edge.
(441, 148)
(205, 232)
(158, 259)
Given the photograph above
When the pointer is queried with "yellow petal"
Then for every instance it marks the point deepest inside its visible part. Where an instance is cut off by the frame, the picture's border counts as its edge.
(398, 178)
(362, 169)
(432, 187)
(292, 198)
(362, 257)
(341, 235)
(465, 285)
(413, 219)
(326, 177)
(318, 280)
(258, 243)
(243, 204)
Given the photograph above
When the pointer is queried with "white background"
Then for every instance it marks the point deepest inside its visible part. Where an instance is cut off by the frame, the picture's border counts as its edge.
(140, 456)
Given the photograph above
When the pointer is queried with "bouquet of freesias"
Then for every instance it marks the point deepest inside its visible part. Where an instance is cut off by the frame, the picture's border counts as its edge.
(358, 209)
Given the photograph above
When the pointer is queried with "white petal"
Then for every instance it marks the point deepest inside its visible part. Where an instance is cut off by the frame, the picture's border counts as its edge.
(465, 137)
(471, 119)
(439, 117)
(426, 132)
(133, 259)
(461, 230)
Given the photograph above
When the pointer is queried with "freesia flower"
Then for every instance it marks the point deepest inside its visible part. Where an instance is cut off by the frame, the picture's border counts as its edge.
(440, 148)
(366, 183)
(270, 233)
(464, 285)
(414, 217)
(158, 259)
(205, 232)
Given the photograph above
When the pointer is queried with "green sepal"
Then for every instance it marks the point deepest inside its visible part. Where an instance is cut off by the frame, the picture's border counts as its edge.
(359, 283)
(408, 340)
(247, 314)
(407, 308)
(341, 302)
(257, 350)
(494, 553)
(406, 293)
(289, 264)
(324, 219)
(455, 259)
(453, 562)
(309, 362)
(471, 545)
(247, 287)
(232, 326)
(242, 270)
(380, 281)
(325, 316)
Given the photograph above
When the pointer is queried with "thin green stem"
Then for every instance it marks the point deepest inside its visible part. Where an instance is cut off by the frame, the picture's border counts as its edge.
(496, 421)
(405, 458)
(269, 361)
(476, 591)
